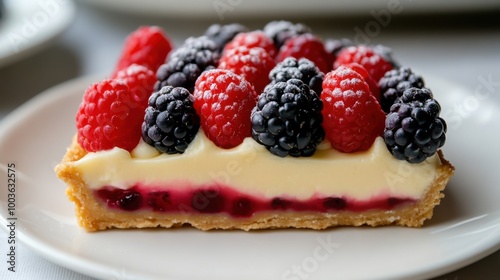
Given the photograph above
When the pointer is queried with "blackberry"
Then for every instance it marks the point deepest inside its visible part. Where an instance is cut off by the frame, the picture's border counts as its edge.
(287, 119)
(185, 64)
(334, 46)
(394, 83)
(302, 69)
(280, 31)
(222, 34)
(171, 122)
(413, 129)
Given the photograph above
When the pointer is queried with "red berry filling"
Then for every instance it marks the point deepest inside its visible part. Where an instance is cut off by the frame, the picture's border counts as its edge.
(222, 199)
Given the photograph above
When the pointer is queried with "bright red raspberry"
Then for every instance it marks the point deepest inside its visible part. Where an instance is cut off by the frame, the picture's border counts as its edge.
(252, 64)
(372, 84)
(307, 46)
(109, 117)
(224, 101)
(352, 117)
(140, 80)
(253, 39)
(147, 46)
(372, 61)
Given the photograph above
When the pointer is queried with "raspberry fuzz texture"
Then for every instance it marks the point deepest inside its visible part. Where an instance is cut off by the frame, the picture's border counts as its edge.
(253, 39)
(306, 46)
(352, 116)
(224, 101)
(252, 64)
(109, 117)
(147, 46)
(373, 62)
(140, 80)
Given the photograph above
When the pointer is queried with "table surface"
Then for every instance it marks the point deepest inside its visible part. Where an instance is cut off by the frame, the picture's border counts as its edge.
(458, 47)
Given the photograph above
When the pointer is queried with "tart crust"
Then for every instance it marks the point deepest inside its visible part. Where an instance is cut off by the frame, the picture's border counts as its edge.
(95, 216)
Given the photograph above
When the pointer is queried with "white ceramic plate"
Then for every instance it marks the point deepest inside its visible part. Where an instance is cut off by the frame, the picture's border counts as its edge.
(237, 9)
(28, 25)
(466, 227)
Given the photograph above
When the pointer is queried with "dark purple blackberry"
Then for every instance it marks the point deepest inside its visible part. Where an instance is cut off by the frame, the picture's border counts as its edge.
(302, 69)
(287, 119)
(334, 46)
(394, 83)
(413, 128)
(386, 54)
(222, 34)
(185, 64)
(280, 31)
(171, 122)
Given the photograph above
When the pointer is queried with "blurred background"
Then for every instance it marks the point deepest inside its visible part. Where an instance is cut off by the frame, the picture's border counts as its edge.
(46, 42)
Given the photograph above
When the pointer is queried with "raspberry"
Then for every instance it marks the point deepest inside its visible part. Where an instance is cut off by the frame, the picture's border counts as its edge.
(352, 116)
(222, 34)
(147, 46)
(306, 46)
(394, 83)
(280, 31)
(108, 117)
(253, 39)
(224, 100)
(140, 80)
(302, 69)
(372, 61)
(185, 64)
(287, 119)
(413, 129)
(252, 64)
(372, 84)
(171, 122)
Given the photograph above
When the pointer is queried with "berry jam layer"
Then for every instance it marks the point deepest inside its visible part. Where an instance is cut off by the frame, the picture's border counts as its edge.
(251, 169)
(221, 199)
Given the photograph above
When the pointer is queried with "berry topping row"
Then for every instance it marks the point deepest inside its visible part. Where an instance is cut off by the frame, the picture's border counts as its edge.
(283, 86)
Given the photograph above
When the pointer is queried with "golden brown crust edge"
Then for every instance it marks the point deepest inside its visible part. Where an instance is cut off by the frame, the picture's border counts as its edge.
(93, 216)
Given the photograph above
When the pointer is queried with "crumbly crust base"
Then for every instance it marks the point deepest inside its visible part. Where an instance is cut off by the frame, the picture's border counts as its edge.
(94, 216)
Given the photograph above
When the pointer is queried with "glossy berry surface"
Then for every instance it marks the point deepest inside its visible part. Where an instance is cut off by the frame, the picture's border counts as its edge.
(109, 117)
(413, 129)
(185, 64)
(171, 122)
(306, 46)
(147, 46)
(394, 83)
(253, 39)
(302, 69)
(373, 62)
(352, 116)
(224, 100)
(287, 119)
(252, 64)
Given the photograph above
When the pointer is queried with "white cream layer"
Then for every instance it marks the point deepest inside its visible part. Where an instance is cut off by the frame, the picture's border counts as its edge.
(251, 169)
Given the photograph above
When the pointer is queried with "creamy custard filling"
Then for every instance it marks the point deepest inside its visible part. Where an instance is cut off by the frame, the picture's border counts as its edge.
(251, 169)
